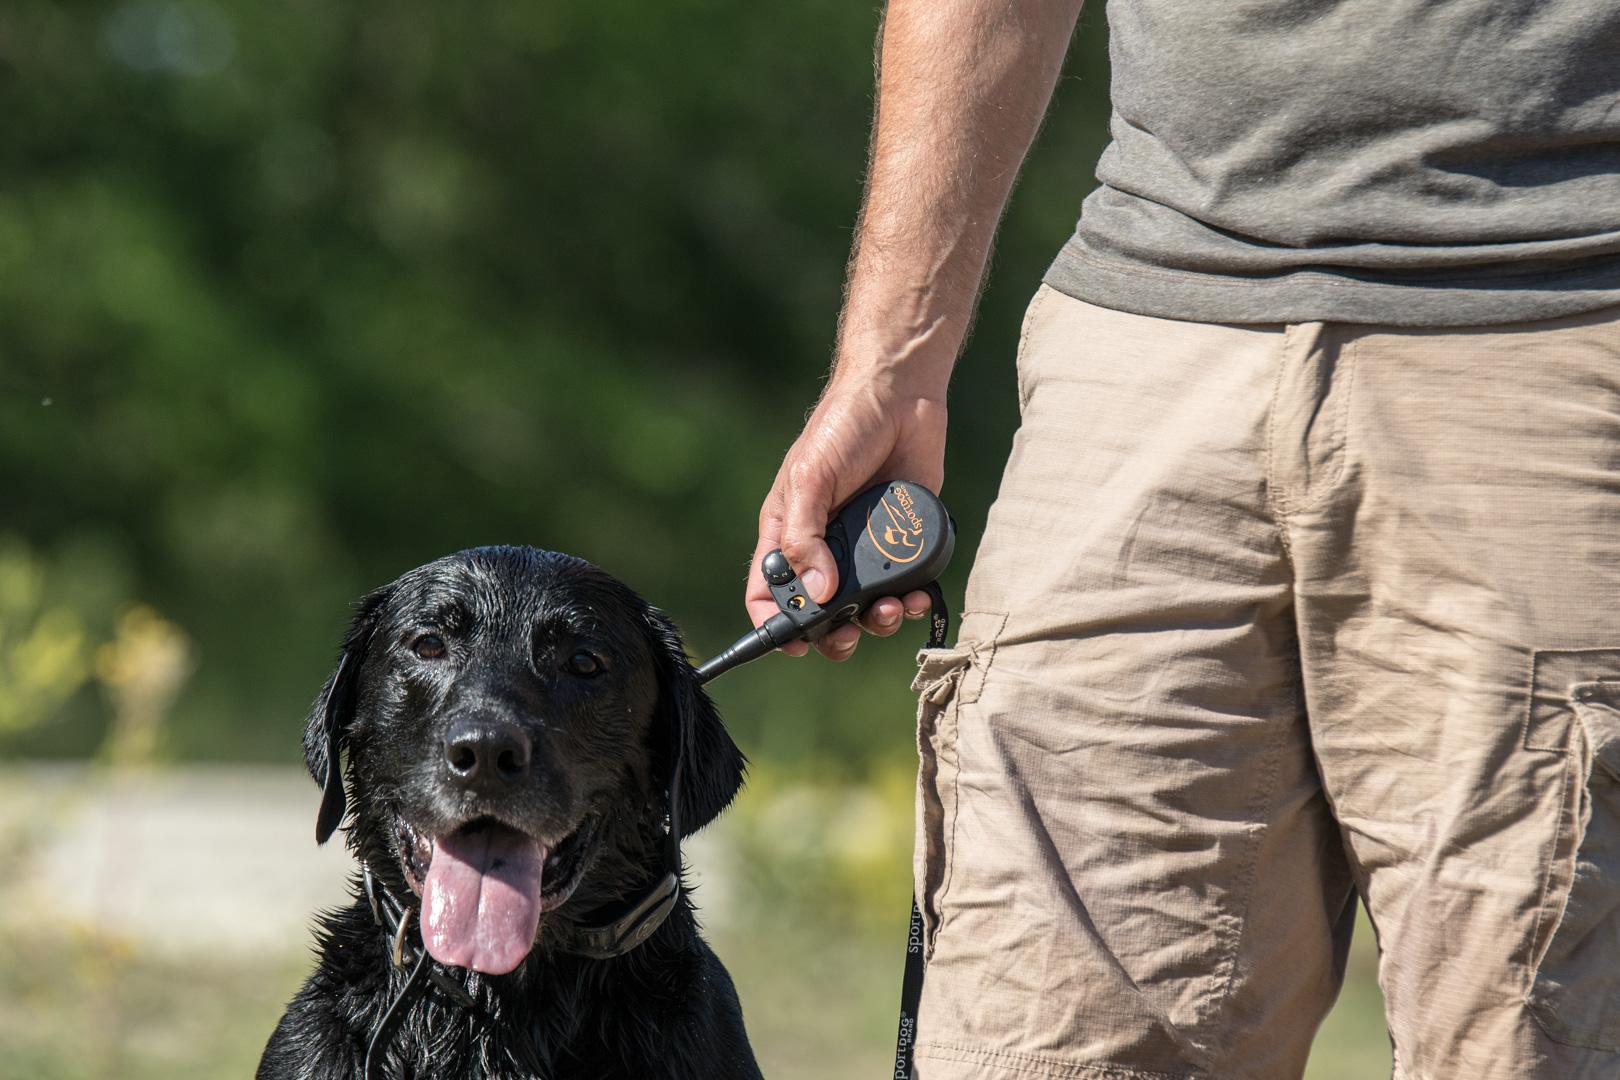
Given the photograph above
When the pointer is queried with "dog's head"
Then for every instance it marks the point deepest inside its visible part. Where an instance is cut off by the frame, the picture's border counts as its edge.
(510, 718)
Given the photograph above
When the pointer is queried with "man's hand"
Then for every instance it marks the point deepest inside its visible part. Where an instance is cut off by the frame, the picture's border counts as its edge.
(962, 85)
(861, 432)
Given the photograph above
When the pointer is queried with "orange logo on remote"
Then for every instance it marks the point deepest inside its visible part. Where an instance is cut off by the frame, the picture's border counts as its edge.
(899, 531)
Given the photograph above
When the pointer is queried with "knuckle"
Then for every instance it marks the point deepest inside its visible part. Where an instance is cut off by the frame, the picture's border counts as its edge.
(800, 546)
(773, 502)
(805, 474)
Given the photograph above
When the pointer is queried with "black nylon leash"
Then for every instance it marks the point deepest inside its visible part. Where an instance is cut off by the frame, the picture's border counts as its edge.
(377, 1048)
(407, 955)
(911, 984)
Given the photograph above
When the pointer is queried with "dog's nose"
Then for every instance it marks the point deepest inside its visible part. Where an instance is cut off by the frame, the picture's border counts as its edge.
(486, 753)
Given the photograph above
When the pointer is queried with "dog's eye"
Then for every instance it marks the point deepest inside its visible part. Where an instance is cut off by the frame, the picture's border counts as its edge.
(584, 664)
(429, 647)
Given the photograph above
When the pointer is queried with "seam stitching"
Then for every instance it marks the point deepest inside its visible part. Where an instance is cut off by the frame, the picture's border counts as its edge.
(1541, 936)
(1026, 382)
(930, 716)
(1262, 800)
(1574, 780)
(1039, 1063)
(1341, 422)
(1575, 787)
(1275, 499)
(949, 875)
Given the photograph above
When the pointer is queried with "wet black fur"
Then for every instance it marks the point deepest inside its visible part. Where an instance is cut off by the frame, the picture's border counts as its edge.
(664, 1010)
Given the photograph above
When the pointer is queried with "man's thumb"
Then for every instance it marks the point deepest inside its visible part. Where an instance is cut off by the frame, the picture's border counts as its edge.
(803, 530)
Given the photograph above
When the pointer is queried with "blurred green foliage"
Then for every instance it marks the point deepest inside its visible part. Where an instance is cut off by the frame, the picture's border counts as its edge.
(44, 657)
(296, 296)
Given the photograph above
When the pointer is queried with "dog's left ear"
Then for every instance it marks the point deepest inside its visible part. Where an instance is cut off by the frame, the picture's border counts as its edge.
(328, 723)
(713, 770)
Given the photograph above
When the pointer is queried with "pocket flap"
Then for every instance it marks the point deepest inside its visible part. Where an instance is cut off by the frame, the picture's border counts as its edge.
(1595, 704)
(937, 670)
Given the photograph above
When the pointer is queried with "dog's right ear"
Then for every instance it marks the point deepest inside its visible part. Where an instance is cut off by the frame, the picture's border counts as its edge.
(327, 727)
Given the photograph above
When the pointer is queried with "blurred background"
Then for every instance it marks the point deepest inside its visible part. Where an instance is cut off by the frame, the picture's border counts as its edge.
(296, 296)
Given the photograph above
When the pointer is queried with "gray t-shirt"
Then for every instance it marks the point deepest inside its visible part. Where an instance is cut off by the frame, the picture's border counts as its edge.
(1416, 162)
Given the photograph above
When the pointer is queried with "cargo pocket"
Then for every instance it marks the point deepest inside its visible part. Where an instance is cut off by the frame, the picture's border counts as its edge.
(1022, 361)
(1576, 993)
(946, 680)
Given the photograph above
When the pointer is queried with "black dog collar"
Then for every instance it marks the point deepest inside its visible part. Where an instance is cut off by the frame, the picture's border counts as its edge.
(616, 930)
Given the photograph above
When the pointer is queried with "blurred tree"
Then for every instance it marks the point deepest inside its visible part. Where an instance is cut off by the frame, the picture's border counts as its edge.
(296, 296)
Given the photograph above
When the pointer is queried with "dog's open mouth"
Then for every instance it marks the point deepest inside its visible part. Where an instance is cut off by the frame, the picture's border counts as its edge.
(485, 885)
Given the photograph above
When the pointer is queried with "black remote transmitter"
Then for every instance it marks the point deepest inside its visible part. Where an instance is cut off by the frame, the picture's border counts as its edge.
(891, 539)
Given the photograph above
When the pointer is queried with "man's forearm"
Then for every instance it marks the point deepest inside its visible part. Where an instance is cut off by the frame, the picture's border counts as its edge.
(962, 86)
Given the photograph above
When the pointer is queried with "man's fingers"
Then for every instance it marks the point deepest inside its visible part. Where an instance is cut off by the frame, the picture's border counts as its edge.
(839, 645)
(917, 604)
(883, 617)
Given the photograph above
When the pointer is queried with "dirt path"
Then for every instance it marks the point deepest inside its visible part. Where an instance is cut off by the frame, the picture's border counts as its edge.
(176, 860)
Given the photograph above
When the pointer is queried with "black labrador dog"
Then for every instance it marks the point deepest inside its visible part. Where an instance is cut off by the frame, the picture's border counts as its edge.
(526, 743)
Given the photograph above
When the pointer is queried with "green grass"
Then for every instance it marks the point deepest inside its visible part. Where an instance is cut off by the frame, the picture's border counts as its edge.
(87, 1008)
(818, 1008)
(806, 890)
(826, 1008)
(1353, 1043)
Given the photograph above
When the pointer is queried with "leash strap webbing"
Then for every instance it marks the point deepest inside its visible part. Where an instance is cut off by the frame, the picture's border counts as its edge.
(396, 918)
(911, 985)
(377, 1049)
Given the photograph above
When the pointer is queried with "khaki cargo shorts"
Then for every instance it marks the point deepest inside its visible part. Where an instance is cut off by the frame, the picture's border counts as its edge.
(1266, 619)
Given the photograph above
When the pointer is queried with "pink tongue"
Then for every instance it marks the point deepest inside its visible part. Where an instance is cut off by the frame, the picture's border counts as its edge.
(481, 899)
